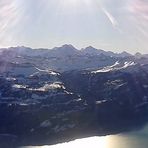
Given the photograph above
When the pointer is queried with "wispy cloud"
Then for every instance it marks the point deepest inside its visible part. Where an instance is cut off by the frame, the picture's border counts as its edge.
(111, 18)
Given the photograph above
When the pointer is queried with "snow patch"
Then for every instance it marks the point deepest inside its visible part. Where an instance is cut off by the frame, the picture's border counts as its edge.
(145, 86)
(47, 87)
(127, 64)
(45, 124)
(18, 86)
(47, 71)
(116, 66)
(10, 79)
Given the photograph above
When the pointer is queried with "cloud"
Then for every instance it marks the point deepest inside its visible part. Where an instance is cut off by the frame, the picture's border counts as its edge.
(111, 18)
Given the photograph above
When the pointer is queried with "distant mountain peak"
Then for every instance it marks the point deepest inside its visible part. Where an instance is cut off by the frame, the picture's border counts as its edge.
(138, 54)
(90, 47)
(63, 51)
(68, 46)
(125, 54)
(92, 50)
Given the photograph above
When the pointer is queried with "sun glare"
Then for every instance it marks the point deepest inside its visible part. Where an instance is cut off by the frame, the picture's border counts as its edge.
(95, 142)
(75, 3)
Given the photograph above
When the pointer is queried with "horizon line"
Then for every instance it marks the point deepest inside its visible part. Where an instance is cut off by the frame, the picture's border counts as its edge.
(79, 49)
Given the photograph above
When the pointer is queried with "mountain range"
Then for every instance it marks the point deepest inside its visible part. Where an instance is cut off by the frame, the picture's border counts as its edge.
(64, 93)
(65, 50)
(67, 57)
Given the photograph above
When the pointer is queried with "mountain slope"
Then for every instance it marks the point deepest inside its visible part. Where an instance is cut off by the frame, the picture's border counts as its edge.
(40, 104)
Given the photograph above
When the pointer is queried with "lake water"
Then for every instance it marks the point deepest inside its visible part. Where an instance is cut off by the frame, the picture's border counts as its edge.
(134, 139)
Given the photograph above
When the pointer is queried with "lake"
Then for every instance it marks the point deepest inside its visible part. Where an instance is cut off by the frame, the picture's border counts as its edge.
(133, 139)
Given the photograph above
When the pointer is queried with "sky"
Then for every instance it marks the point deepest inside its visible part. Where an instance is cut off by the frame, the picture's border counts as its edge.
(116, 25)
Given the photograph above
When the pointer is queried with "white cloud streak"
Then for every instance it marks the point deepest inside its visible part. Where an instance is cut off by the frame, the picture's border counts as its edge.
(111, 18)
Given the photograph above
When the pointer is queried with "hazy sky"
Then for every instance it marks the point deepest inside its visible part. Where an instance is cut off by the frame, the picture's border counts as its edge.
(115, 25)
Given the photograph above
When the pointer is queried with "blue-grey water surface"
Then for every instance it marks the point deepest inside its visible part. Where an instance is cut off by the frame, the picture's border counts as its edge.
(133, 139)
